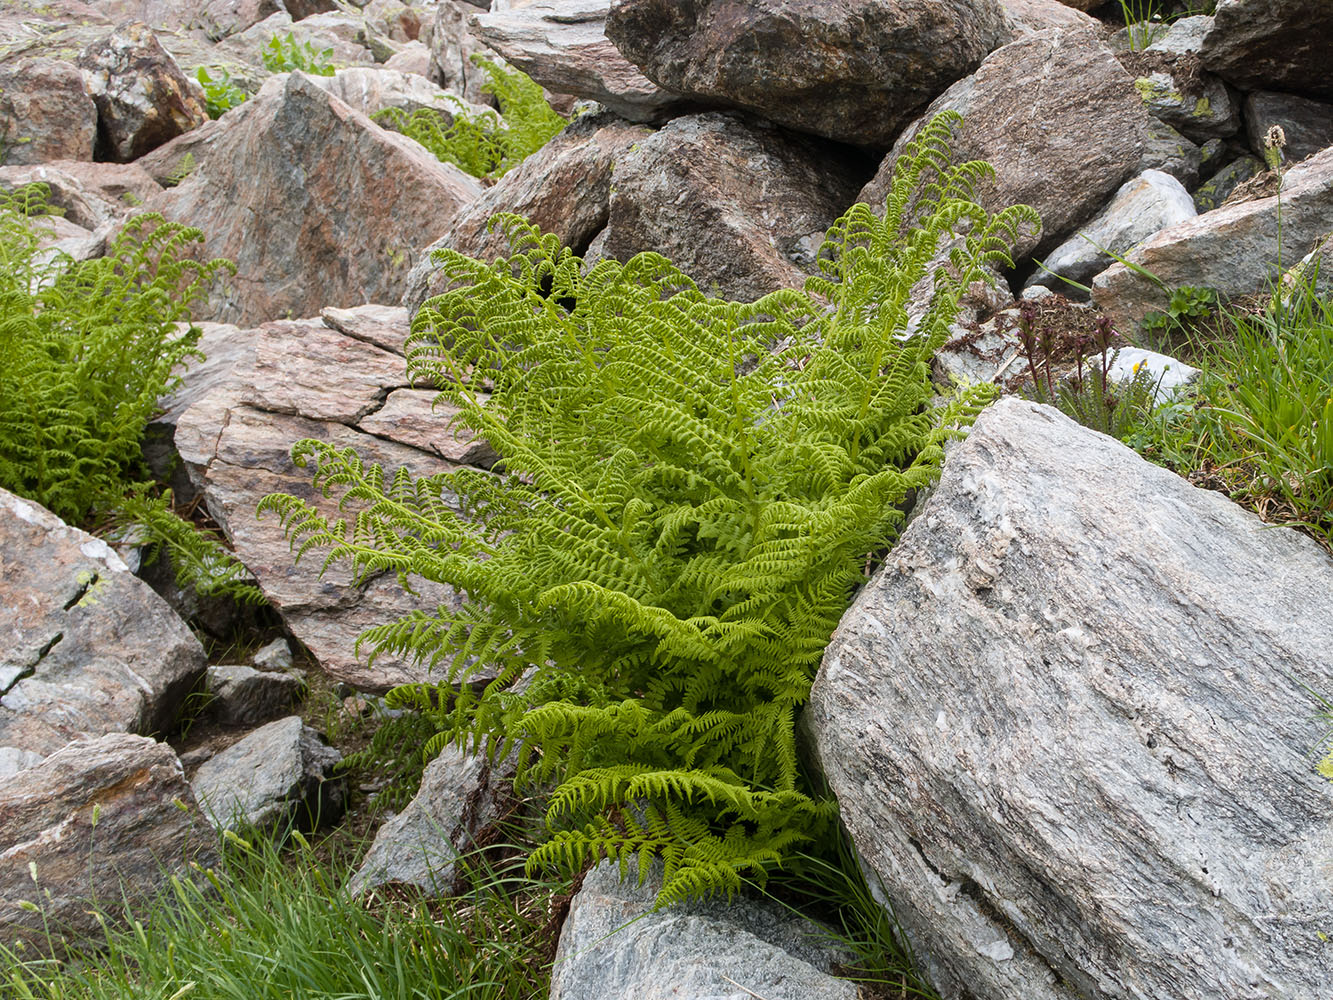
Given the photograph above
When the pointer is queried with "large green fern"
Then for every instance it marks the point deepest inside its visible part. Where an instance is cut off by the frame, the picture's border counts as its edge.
(689, 491)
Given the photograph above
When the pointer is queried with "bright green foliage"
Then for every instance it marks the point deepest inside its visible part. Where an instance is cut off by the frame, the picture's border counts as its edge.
(484, 145)
(691, 490)
(89, 348)
(283, 54)
(200, 561)
(220, 94)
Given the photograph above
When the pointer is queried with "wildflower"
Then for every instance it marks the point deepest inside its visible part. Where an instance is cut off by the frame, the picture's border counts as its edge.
(1275, 140)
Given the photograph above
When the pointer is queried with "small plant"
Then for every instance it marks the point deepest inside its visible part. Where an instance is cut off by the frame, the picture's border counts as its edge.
(487, 145)
(1086, 393)
(182, 170)
(283, 54)
(1191, 317)
(220, 94)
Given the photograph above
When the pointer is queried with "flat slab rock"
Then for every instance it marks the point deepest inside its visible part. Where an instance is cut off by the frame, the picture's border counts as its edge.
(614, 945)
(1069, 729)
(86, 647)
(99, 819)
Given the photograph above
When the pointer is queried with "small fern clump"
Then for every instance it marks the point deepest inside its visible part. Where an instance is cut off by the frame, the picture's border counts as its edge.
(689, 491)
(487, 145)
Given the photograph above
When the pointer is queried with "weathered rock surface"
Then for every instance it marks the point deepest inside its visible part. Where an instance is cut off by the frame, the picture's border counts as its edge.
(89, 195)
(369, 89)
(738, 205)
(564, 188)
(277, 655)
(1215, 191)
(87, 647)
(452, 46)
(13, 760)
(852, 72)
(317, 205)
(1169, 374)
(244, 696)
(562, 44)
(1027, 16)
(1063, 148)
(1197, 105)
(143, 99)
(1308, 125)
(278, 775)
(1143, 206)
(461, 796)
(1233, 249)
(1069, 731)
(45, 113)
(614, 945)
(1272, 45)
(99, 818)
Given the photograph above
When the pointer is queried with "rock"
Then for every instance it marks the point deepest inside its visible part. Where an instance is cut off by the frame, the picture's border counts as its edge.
(1069, 729)
(235, 441)
(1308, 125)
(1233, 249)
(562, 44)
(1085, 126)
(293, 180)
(382, 326)
(739, 206)
(1169, 373)
(452, 46)
(45, 113)
(277, 655)
(394, 19)
(76, 202)
(278, 776)
(1167, 150)
(1143, 206)
(1027, 16)
(13, 760)
(613, 944)
(1272, 45)
(1314, 273)
(1184, 36)
(107, 819)
(416, 418)
(564, 188)
(413, 57)
(461, 796)
(1197, 105)
(220, 19)
(143, 99)
(369, 89)
(1218, 188)
(87, 647)
(49, 29)
(338, 37)
(852, 72)
(244, 696)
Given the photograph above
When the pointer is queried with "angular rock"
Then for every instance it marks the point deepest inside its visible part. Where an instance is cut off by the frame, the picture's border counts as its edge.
(45, 113)
(564, 188)
(452, 46)
(461, 796)
(1167, 150)
(277, 656)
(739, 206)
(613, 944)
(1169, 373)
(220, 19)
(342, 35)
(562, 44)
(1027, 16)
(279, 775)
(852, 72)
(1308, 125)
(1142, 207)
(100, 819)
(244, 696)
(1199, 106)
(143, 99)
(413, 57)
(1085, 127)
(1069, 729)
(317, 205)
(415, 417)
(13, 760)
(1215, 191)
(369, 89)
(1233, 249)
(1272, 45)
(1184, 36)
(86, 648)
(382, 326)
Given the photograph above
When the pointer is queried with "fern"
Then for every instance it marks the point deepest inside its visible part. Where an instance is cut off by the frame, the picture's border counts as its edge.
(688, 493)
(485, 145)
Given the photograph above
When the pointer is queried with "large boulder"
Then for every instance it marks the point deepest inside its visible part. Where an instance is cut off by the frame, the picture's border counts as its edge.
(1307, 125)
(143, 99)
(1062, 146)
(45, 113)
(614, 944)
(564, 188)
(738, 205)
(1070, 723)
(1234, 248)
(86, 648)
(318, 205)
(104, 820)
(852, 72)
(562, 44)
(452, 45)
(1272, 45)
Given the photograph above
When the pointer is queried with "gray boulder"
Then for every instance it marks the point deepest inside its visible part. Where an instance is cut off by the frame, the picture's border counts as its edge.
(280, 774)
(1069, 726)
(242, 695)
(852, 72)
(613, 944)
(87, 648)
(1272, 45)
(107, 819)
(1307, 124)
(1214, 192)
